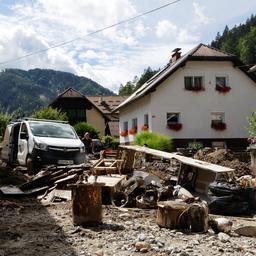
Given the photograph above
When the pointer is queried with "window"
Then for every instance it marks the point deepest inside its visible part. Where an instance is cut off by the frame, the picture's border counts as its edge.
(23, 131)
(173, 121)
(134, 123)
(133, 130)
(193, 83)
(146, 119)
(173, 118)
(221, 81)
(222, 84)
(124, 131)
(218, 121)
(217, 117)
(125, 126)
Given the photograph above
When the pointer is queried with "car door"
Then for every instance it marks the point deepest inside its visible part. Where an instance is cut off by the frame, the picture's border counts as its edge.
(23, 144)
(6, 144)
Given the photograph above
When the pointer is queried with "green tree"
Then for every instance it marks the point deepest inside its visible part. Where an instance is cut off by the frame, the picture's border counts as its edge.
(252, 125)
(50, 113)
(4, 120)
(147, 74)
(247, 46)
(127, 89)
(153, 140)
(83, 127)
(136, 83)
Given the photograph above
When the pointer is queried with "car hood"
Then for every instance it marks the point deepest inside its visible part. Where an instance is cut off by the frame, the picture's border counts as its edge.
(59, 142)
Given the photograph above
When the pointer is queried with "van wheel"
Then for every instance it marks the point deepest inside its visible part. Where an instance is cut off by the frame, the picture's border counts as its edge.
(32, 166)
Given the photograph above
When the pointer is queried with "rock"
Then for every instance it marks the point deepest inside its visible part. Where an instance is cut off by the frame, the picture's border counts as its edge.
(125, 215)
(142, 246)
(223, 237)
(142, 237)
(221, 225)
(246, 231)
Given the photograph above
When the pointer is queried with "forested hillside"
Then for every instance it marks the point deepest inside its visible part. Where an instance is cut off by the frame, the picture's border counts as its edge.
(25, 91)
(240, 40)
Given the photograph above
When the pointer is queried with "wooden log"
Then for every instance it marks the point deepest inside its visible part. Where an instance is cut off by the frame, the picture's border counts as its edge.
(169, 214)
(86, 204)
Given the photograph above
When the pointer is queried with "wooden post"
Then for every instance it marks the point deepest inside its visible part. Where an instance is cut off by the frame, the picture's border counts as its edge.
(86, 204)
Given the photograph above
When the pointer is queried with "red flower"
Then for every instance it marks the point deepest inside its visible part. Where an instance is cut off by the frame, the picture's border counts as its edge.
(219, 126)
(133, 131)
(175, 126)
(144, 127)
(123, 133)
(223, 89)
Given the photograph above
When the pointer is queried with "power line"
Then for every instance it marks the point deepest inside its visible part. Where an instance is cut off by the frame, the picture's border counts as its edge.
(91, 33)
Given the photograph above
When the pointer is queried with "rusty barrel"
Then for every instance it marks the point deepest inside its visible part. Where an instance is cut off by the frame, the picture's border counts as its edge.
(86, 204)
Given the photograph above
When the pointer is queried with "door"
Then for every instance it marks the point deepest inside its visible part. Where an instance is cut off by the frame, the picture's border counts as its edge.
(6, 144)
(23, 144)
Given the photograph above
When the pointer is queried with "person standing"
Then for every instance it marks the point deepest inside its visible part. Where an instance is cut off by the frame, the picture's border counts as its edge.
(87, 143)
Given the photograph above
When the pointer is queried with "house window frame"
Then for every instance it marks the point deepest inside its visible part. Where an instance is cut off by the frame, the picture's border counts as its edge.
(222, 117)
(222, 88)
(177, 114)
(125, 126)
(218, 123)
(173, 125)
(146, 119)
(193, 86)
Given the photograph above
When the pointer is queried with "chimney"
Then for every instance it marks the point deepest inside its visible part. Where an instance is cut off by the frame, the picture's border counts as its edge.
(175, 55)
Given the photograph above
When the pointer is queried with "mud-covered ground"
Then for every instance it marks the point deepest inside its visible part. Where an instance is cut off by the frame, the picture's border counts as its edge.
(28, 227)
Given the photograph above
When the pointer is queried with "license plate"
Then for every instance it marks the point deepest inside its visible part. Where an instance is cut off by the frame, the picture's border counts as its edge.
(65, 162)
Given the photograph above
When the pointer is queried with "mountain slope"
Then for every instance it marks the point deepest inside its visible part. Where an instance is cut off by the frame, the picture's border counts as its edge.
(26, 91)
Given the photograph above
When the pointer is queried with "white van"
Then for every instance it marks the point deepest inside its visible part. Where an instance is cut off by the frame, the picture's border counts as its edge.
(34, 143)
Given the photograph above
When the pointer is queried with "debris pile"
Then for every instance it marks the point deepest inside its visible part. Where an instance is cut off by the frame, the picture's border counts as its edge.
(224, 157)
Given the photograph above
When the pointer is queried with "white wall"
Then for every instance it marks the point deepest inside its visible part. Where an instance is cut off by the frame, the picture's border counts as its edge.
(196, 107)
(136, 110)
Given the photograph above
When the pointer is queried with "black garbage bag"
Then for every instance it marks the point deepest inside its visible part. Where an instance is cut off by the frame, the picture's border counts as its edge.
(226, 189)
(228, 205)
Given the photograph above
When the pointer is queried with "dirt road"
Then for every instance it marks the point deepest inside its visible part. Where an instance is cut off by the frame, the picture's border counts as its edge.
(29, 228)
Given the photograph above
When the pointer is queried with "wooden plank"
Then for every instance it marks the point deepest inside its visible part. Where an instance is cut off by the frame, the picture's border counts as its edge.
(11, 191)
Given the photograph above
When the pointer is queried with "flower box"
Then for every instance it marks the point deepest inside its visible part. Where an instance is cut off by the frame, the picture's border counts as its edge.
(223, 89)
(123, 133)
(195, 88)
(144, 127)
(175, 126)
(133, 131)
(219, 126)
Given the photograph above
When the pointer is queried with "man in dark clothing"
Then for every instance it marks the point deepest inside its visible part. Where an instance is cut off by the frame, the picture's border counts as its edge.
(87, 143)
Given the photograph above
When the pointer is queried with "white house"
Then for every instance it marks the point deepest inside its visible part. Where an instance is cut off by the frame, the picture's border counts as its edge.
(205, 95)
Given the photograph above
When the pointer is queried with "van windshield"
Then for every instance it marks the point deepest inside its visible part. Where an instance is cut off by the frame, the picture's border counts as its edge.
(53, 130)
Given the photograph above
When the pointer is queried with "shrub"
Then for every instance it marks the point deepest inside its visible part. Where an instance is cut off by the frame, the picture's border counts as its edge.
(110, 142)
(50, 113)
(83, 127)
(154, 141)
(4, 120)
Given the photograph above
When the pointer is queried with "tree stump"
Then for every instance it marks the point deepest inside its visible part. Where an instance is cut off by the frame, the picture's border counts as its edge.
(86, 204)
(171, 214)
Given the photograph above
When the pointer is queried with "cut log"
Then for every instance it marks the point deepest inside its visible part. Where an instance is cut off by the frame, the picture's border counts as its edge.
(86, 204)
(169, 212)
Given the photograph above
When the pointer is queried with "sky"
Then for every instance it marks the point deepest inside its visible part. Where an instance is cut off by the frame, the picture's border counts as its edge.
(113, 56)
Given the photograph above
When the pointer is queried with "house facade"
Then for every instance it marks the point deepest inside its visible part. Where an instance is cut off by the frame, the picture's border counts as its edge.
(95, 110)
(204, 96)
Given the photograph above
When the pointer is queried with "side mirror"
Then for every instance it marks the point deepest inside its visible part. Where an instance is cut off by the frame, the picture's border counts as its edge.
(23, 136)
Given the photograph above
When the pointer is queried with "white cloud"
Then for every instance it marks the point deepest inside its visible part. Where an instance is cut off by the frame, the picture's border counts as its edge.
(186, 37)
(165, 28)
(199, 12)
